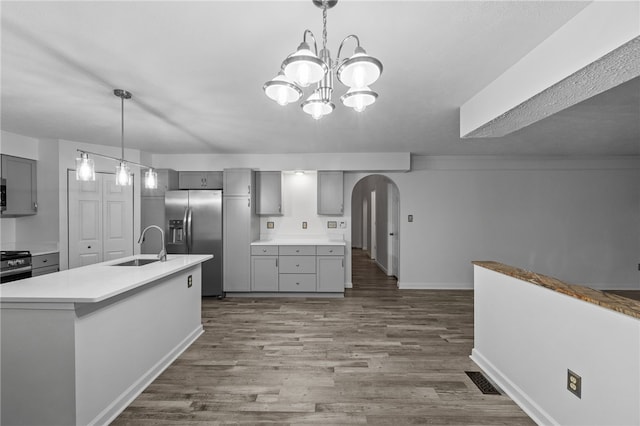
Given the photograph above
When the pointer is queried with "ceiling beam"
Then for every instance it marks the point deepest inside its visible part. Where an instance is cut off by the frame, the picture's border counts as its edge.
(596, 50)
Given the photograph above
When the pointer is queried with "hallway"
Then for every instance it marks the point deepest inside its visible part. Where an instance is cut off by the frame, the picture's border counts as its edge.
(378, 356)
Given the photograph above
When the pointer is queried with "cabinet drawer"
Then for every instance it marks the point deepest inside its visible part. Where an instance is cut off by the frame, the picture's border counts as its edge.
(297, 282)
(297, 264)
(264, 250)
(43, 271)
(330, 250)
(45, 260)
(297, 250)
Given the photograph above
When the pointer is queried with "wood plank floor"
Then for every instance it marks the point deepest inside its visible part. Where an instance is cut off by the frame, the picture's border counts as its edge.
(379, 356)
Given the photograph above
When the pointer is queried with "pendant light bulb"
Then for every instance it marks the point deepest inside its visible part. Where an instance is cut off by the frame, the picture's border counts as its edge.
(151, 179)
(304, 67)
(359, 99)
(282, 90)
(123, 175)
(85, 168)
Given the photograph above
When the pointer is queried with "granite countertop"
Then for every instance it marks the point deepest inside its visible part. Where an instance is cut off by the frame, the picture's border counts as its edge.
(606, 300)
(299, 242)
(94, 283)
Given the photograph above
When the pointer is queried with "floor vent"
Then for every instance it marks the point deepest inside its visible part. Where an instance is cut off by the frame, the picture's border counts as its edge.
(482, 383)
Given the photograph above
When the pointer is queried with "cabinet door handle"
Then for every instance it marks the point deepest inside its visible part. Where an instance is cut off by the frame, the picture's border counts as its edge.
(280, 209)
(248, 189)
(35, 206)
(264, 250)
(341, 208)
(343, 263)
(276, 262)
(248, 202)
(44, 261)
(330, 251)
(298, 265)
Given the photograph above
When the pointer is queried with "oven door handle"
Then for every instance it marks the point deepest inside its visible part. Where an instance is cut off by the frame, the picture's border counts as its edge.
(11, 272)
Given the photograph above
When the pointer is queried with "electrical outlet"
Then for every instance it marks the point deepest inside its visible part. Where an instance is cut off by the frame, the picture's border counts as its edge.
(574, 383)
(304, 225)
(332, 224)
(189, 281)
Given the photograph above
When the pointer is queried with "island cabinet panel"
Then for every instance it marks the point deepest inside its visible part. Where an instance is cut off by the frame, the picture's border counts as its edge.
(330, 193)
(264, 273)
(22, 189)
(87, 360)
(269, 193)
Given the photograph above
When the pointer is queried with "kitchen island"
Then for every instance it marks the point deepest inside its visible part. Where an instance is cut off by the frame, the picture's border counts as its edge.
(79, 345)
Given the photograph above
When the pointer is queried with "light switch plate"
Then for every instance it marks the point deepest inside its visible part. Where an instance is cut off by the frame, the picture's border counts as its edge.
(410, 218)
(304, 225)
(270, 225)
(343, 225)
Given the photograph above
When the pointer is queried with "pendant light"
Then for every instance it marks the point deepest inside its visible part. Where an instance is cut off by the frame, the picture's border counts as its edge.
(124, 177)
(85, 167)
(306, 66)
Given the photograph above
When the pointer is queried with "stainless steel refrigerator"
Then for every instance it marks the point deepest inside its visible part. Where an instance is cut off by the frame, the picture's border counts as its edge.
(193, 225)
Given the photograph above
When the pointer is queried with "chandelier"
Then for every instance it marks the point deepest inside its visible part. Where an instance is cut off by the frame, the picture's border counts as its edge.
(85, 166)
(305, 67)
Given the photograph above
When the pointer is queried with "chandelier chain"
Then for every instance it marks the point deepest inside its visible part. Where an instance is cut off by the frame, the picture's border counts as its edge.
(324, 25)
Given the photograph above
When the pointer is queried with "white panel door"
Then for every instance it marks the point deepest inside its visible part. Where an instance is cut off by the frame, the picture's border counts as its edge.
(117, 230)
(85, 221)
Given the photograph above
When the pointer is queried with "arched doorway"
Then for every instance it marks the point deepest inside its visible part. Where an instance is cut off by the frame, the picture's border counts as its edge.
(375, 215)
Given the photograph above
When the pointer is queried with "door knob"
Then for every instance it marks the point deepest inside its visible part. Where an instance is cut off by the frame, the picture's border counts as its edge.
(391, 233)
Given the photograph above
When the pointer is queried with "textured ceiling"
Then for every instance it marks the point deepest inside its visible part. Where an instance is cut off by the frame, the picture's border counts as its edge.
(196, 71)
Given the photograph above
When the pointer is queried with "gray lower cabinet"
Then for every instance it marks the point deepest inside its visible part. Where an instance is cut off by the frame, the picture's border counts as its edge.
(45, 264)
(297, 269)
(264, 273)
(22, 190)
(330, 193)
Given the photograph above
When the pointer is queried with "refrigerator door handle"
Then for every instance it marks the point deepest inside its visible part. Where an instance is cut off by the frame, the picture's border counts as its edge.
(189, 227)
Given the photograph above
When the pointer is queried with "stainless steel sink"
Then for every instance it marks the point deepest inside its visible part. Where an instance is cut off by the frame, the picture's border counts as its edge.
(136, 262)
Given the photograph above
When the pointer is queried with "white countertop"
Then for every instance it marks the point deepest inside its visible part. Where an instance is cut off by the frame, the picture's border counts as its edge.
(299, 242)
(36, 249)
(94, 283)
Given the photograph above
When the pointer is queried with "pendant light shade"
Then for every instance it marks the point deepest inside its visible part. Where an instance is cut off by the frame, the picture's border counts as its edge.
(282, 90)
(151, 179)
(359, 99)
(316, 107)
(304, 67)
(123, 175)
(85, 168)
(360, 70)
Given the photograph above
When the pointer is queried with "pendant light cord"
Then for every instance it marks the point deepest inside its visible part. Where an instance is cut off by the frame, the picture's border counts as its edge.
(122, 128)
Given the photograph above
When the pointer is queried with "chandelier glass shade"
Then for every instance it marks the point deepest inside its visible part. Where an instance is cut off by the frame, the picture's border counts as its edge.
(86, 169)
(307, 66)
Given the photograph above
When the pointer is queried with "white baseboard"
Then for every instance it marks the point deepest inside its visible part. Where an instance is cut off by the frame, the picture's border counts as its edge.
(533, 410)
(382, 268)
(434, 286)
(121, 402)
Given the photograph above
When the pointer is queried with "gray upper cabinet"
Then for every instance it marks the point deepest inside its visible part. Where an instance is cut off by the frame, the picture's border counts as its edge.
(167, 181)
(22, 192)
(200, 180)
(330, 193)
(238, 182)
(269, 193)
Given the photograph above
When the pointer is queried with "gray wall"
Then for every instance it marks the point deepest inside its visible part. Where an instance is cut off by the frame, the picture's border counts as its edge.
(577, 220)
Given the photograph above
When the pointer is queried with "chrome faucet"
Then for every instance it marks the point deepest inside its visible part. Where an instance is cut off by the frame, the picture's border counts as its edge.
(163, 253)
